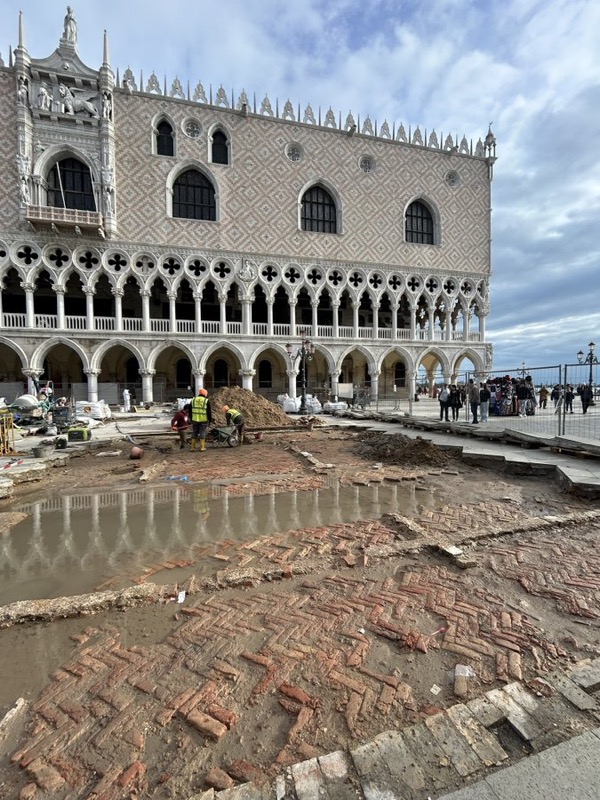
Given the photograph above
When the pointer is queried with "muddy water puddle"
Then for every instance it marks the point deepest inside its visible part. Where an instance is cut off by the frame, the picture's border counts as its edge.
(74, 543)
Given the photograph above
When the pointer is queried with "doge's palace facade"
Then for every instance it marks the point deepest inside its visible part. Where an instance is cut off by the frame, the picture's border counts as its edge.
(164, 236)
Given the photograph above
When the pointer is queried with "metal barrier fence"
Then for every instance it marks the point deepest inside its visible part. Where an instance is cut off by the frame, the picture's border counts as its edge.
(552, 400)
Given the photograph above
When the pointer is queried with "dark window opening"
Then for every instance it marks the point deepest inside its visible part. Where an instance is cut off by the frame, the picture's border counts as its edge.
(194, 197)
(220, 148)
(318, 211)
(419, 224)
(70, 186)
(165, 145)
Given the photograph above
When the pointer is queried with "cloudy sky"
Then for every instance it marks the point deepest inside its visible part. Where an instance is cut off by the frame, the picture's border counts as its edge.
(530, 67)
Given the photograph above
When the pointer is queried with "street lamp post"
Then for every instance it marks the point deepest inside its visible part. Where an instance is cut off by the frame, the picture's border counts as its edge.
(523, 371)
(305, 354)
(592, 360)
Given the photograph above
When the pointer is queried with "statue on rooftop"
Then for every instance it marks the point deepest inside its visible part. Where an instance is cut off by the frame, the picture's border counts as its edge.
(70, 30)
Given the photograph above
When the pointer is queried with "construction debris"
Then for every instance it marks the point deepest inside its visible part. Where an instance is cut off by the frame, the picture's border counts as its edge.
(399, 449)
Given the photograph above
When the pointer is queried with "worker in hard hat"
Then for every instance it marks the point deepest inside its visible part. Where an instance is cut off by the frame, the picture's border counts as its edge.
(235, 417)
(201, 419)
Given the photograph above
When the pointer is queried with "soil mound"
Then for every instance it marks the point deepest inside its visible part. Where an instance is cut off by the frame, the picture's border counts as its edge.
(399, 449)
(257, 410)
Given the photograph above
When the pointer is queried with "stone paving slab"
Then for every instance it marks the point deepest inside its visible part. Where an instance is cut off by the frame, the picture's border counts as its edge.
(406, 766)
(569, 770)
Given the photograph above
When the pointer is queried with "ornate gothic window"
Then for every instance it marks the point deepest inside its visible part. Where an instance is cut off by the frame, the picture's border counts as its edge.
(70, 186)
(318, 211)
(220, 148)
(419, 224)
(165, 145)
(194, 196)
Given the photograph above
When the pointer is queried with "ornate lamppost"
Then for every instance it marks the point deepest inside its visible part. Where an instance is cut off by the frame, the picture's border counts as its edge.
(305, 353)
(592, 360)
(523, 371)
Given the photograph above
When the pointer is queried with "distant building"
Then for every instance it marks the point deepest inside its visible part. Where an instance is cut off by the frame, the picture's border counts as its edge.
(162, 236)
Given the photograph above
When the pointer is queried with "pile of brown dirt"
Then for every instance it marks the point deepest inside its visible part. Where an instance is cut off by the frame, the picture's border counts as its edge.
(399, 449)
(257, 410)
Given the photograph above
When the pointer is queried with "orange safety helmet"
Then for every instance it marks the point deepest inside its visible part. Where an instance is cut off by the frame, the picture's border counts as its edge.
(225, 409)
(203, 392)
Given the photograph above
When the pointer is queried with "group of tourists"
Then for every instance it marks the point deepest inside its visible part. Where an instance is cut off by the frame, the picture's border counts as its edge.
(197, 414)
(508, 396)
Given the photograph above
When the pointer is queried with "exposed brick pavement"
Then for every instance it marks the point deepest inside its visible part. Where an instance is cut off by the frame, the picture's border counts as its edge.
(297, 659)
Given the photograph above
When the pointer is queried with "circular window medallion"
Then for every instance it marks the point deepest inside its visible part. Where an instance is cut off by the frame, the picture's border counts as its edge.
(192, 128)
(452, 179)
(366, 164)
(294, 152)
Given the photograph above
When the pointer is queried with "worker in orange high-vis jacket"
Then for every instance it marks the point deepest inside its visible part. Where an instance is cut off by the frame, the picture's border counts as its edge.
(201, 419)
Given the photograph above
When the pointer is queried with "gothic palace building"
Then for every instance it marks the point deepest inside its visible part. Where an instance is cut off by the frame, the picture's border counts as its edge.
(164, 237)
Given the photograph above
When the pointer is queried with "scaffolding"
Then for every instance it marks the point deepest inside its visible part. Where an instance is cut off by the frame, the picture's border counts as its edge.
(7, 433)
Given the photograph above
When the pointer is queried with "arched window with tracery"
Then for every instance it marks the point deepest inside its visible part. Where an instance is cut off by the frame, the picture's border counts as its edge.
(70, 186)
(419, 224)
(220, 148)
(194, 196)
(165, 142)
(319, 213)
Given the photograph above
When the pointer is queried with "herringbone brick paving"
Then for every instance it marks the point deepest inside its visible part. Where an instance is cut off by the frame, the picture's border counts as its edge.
(299, 656)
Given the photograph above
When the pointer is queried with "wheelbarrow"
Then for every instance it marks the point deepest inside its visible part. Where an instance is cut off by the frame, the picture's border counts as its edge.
(227, 435)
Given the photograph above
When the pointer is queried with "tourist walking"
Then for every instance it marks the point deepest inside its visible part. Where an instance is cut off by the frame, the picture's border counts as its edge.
(455, 402)
(484, 401)
(586, 397)
(523, 395)
(544, 394)
(569, 397)
(473, 400)
(444, 398)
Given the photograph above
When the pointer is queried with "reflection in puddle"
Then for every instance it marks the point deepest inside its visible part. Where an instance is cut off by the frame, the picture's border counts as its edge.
(69, 545)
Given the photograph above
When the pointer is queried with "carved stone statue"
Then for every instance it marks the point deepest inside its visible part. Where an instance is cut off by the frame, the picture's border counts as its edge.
(73, 103)
(24, 192)
(22, 90)
(70, 31)
(43, 98)
(106, 106)
(108, 205)
(246, 272)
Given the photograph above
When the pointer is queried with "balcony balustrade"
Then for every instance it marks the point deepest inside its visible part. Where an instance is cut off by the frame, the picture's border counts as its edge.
(50, 322)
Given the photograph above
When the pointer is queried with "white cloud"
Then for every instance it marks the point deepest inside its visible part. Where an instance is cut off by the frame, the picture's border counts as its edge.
(453, 65)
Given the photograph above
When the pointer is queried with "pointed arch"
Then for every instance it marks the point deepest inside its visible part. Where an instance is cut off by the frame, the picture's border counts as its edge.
(192, 192)
(320, 207)
(422, 221)
(96, 361)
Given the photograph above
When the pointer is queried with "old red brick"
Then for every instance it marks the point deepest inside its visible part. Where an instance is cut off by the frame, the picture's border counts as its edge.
(295, 693)
(243, 771)
(224, 715)
(45, 775)
(207, 726)
(133, 775)
(218, 779)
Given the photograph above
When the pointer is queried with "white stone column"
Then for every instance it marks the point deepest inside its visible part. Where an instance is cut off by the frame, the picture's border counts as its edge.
(315, 318)
(60, 307)
(482, 318)
(336, 321)
(374, 386)
(198, 311)
(292, 374)
(246, 316)
(29, 312)
(198, 380)
(172, 312)
(355, 307)
(467, 325)
(145, 310)
(413, 320)
(292, 319)
(448, 334)
(89, 308)
(334, 377)
(92, 387)
(118, 295)
(247, 376)
(431, 319)
(147, 385)
(270, 304)
(375, 307)
(223, 314)
(395, 307)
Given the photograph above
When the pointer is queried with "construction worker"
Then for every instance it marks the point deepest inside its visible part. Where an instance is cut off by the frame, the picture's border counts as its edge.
(181, 423)
(201, 419)
(235, 417)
